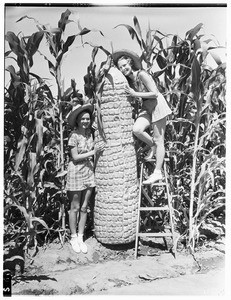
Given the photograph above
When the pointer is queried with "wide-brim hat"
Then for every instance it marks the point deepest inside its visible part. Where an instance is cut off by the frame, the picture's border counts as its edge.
(135, 57)
(71, 119)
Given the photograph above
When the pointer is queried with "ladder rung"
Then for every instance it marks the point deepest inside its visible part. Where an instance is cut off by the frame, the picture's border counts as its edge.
(153, 159)
(153, 208)
(155, 234)
(155, 184)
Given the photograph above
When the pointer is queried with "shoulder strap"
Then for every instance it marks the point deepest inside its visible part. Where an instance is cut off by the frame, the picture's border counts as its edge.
(138, 73)
(142, 85)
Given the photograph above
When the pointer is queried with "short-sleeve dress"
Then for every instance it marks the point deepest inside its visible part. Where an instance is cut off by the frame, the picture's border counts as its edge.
(80, 175)
(157, 108)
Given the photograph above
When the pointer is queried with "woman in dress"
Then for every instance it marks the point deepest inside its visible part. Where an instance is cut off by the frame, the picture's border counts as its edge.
(80, 173)
(154, 110)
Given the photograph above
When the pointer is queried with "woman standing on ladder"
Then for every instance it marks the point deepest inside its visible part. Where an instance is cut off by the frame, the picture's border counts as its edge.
(154, 110)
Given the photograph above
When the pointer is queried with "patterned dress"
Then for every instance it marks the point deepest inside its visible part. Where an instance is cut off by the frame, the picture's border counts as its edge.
(80, 175)
(157, 108)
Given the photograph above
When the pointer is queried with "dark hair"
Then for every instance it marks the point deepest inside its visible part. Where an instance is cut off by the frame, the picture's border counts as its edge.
(78, 97)
(128, 58)
(83, 112)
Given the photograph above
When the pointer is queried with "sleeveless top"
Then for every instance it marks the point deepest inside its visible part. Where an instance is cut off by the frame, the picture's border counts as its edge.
(158, 107)
(138, 84)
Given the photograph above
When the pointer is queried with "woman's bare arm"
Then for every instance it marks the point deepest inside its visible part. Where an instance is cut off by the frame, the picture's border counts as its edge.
(148, 83)
(80, 156)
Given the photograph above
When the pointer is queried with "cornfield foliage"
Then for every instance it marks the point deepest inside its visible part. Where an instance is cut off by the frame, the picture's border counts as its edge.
(35, 130)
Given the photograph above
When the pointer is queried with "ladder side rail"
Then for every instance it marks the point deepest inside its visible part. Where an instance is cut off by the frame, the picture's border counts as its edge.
(138, 211)
(147, 196)
(169, 201)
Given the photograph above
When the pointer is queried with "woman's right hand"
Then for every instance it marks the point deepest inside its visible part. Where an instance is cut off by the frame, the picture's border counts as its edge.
(99, 147)
(129, 91)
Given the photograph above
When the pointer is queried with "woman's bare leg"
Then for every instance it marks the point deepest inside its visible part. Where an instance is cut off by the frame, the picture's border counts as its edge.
(86, 194)
(75, 198)
(141, 124)
(158, 137)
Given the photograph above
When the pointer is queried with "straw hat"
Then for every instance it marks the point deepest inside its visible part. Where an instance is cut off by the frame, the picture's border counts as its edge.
(76, 110)
(137, 62)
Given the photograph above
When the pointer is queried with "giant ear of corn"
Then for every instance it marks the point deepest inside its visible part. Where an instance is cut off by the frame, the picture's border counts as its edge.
(116, 202)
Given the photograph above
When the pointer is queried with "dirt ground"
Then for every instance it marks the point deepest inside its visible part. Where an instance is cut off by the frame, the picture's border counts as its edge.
(113, 270)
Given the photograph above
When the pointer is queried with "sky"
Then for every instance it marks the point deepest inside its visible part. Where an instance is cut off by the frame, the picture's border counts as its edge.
(171, 20)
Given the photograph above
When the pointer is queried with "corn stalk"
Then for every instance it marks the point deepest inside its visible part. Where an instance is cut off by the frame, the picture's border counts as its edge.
(195, 89)
(23, 127)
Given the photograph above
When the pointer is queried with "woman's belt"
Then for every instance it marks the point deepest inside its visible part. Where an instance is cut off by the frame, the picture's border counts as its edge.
(90, 159)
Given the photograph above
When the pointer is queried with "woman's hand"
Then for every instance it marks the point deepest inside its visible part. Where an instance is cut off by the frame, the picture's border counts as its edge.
(129, 91)
(99, 147)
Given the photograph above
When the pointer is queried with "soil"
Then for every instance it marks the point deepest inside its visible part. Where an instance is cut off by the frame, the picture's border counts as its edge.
(111, 270)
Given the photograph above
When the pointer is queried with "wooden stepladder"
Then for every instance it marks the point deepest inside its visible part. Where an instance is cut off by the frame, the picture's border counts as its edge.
(155, 202)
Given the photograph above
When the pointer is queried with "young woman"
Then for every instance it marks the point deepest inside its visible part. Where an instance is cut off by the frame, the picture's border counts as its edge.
(154, 110)
(80, 175)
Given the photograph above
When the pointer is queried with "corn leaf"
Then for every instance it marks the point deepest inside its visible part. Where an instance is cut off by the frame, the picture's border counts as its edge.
(137, 26)
(39, 132)
(23, 211)
(132, 32)
(32, 164)
(196, 73)
(7, 53)
(197, 45)
(33, 42)
(20, 154)
(13, 258)
(212, 209)
(35, 219)
(216, 58)
(13, 73)
(161, 61)
(158, 73)
(66, 46)
(33, 45)
(68, 43)
(55, 30)
(94, 52)
(149, 40)
(52, 68)
(60, 174)
(192, 32)
(159, 40)
(14, 43)
(84, 31)
(64, 19)
(27, 17)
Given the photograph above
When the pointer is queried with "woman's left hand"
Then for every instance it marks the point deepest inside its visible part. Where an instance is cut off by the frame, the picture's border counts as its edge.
(129, 91)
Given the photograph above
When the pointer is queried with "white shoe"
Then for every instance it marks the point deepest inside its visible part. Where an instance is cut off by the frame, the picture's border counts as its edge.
(83, 247)
(151, 153)
(75, 244)
(153, 178)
